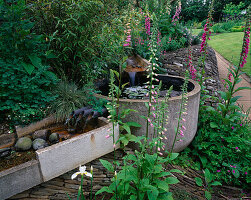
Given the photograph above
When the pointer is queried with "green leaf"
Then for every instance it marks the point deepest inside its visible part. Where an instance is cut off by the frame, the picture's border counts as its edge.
(134, 124)
(162, 174)
(236, 173)
(103, 189)
(242, 88)
(28, 67)
(49, 54)
(133, 197)
(51, 75)
(203, 158)
(36, 61)
(162, 185)
(172, 180)
(215, 183)
(176, 171)
(173, 156)
(107, 165)
(127, 128)
(208, 195)
(131, 157)
(208, 176)
(153, 194)
(213, 125)
(198, 181)
(223, 95)
(234, 99)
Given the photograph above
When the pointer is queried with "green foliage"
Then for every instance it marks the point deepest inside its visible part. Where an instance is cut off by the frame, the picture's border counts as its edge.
(25, 76)
(209, 182)
(219, 143)
(194, 10)
(142, 177)
(84, 36)
(174, 34)
(237, 29)
(231, 9)
(217, 28)
(68, 98)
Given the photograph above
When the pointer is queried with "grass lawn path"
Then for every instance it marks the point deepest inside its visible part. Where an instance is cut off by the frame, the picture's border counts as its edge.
(229, 46)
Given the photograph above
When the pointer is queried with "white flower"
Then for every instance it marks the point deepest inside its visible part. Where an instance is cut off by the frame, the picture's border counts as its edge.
(82, 172)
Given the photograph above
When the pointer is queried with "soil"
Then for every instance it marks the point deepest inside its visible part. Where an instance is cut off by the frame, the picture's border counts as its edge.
(187, 188)
(19, 157)
(16, 158)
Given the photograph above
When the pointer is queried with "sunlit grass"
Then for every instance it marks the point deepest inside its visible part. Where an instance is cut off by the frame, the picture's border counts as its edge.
(196, 31)
(229, 46)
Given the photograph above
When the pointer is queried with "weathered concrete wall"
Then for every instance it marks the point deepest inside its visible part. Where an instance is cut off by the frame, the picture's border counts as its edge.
(56, 188)
(65, 156)
(172, 113)
(58, 159)
(19, 178)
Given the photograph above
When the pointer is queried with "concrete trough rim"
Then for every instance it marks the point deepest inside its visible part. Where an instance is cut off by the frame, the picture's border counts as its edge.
(49, 148)
(18, 167)
(194, 92)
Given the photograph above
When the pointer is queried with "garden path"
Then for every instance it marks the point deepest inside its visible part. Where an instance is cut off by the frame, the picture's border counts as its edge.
(245, 100)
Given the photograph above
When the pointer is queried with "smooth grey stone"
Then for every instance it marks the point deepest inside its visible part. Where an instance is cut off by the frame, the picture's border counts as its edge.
(54, 138)
(5, 152)
(41, 134)
(39, 144)
(23, 144)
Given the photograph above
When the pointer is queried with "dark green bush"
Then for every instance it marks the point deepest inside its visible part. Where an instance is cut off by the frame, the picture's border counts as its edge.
(223, 146)
(84, 36)
(217, 28)
(25, 79)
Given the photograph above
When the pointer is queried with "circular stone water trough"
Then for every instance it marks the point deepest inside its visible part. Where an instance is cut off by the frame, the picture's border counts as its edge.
(173, 110)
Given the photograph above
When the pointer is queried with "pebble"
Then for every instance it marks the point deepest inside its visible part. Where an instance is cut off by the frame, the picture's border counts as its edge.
(4, 152)
(23, 144)
(54, 138)
(41, 134)
(39, 144)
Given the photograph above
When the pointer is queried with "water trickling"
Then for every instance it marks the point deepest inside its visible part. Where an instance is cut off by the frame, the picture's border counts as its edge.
(132, 76)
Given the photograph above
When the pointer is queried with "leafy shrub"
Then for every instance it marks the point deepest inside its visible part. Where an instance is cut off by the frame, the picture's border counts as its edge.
(222, 143)
(25, 78)
(227, 25)
(233, 10)
(203, 23)
(237, 29)
(217, 28)
(73, 28)
(175, 35)
(169, 44)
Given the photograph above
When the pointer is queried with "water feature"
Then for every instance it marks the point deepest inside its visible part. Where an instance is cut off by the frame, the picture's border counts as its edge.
(135, 98)
(132, 76)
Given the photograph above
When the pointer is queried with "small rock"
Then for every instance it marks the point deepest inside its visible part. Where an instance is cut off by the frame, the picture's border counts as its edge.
(39, 144)
(5, 152)
(54, 138)
(23, 144)
(178, 64)
(41, 134)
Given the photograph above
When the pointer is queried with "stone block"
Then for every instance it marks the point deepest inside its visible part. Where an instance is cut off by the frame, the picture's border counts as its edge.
(20, 178)
(62, 157)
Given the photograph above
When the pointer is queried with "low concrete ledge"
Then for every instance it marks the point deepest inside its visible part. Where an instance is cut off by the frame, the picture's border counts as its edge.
(62, 157)
(20, 178)
(58, 159)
